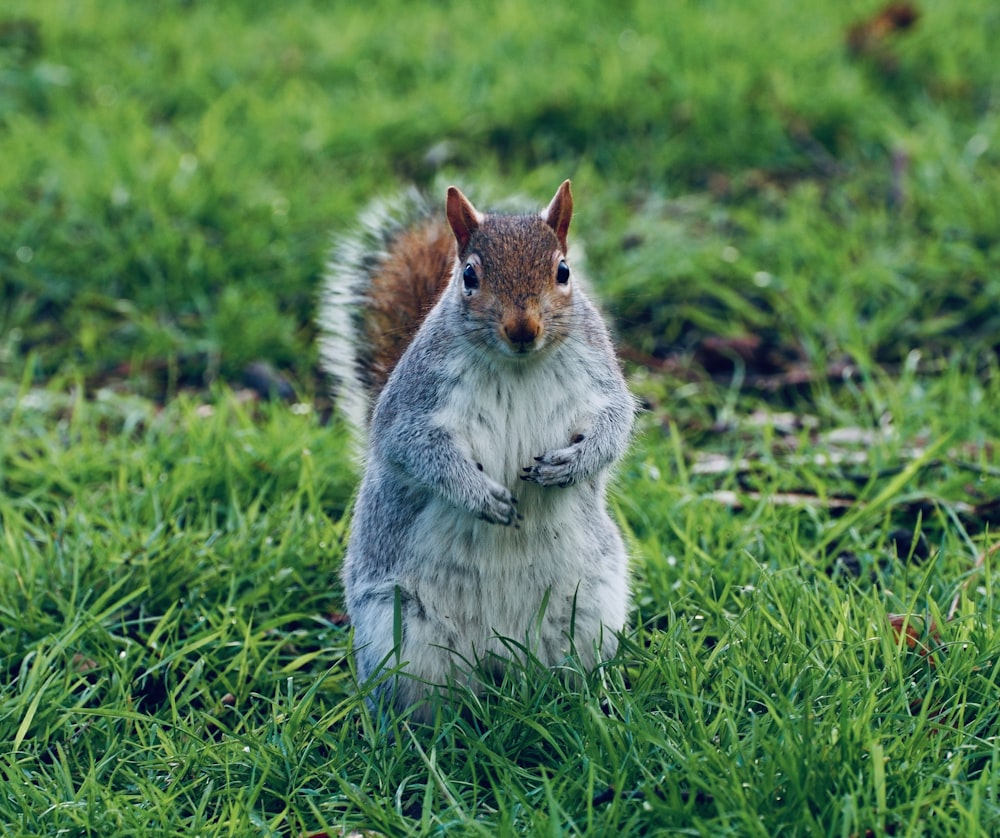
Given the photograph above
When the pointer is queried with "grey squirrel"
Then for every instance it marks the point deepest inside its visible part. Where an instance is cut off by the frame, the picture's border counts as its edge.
(484, 387)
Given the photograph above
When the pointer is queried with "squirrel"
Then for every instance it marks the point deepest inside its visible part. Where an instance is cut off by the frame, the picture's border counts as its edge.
(484, 388)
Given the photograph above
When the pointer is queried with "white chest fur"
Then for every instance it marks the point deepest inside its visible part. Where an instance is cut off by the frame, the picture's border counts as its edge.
(483, 580)
(505, 417)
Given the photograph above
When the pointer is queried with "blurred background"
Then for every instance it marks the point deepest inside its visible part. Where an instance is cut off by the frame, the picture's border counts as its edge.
(765, 187)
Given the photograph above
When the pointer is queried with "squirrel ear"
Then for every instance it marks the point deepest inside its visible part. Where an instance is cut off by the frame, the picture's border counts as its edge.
(558, 213)
(462, 216)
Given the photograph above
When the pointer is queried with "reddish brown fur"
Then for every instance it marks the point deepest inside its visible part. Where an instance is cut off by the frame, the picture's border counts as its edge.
(462, 217)
(560, 213)
(410, 281)
(518, 266)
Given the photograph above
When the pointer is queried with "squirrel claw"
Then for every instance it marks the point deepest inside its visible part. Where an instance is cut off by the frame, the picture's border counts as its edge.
(554, 468)
(498, 507)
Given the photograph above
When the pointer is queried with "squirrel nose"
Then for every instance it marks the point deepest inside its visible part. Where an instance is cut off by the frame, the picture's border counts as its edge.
(522, 332)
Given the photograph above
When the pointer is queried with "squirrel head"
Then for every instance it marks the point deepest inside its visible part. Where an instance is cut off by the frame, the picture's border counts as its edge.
(512, 277)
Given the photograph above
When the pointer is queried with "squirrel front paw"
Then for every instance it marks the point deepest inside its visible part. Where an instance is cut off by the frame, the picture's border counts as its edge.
(554, 468)
(499, 506)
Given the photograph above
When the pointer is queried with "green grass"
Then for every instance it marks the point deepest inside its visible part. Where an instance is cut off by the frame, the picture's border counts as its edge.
(175, 662)
(801, 250)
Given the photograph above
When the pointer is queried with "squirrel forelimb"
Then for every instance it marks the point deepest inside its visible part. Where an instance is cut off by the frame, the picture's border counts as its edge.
(431, 459)
(588, 453)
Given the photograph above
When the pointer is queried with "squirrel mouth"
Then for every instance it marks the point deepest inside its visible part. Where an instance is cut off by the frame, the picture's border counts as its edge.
(523, 349)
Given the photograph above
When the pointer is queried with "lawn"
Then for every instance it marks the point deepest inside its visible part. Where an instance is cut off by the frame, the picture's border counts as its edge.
(791, 213)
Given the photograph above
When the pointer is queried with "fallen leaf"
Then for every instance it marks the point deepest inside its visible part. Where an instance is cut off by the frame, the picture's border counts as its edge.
(914, 631)
(867, 38)
(737, 500)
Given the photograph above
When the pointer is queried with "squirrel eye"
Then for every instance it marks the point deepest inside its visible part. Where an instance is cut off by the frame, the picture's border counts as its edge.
(470, 279)
(562, 273)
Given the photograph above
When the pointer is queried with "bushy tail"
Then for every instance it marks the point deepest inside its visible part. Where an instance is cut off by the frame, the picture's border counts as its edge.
(381, 281)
